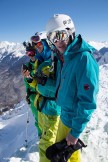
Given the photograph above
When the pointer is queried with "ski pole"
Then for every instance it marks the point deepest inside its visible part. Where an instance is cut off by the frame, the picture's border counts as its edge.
(27, 128)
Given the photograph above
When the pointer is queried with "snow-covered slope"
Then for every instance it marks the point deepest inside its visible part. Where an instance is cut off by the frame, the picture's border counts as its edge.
(96, 134)
(14, 130)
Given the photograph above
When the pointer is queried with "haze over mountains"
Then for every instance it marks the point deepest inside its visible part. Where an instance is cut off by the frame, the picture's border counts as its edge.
(12, 56)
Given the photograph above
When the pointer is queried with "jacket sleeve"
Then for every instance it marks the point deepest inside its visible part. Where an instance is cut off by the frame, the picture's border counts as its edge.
(87, 80)
(34, 69)
(26, 85)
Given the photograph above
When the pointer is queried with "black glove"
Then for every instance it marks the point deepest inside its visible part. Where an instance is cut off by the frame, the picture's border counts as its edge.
(41, 78)
(28, 99)
(61, 152)
(24, 67)
(28, 46)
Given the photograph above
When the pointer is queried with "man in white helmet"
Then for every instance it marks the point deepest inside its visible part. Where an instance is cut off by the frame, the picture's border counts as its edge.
(78, 82)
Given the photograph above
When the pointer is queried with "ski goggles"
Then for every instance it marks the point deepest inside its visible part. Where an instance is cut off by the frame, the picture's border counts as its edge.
(35, 39)
(30, 53)
(37, 44)
(55, 36)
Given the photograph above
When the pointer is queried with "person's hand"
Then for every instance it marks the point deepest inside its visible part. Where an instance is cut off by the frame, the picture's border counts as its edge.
(71, 140)
(25, 73)
(28, 99)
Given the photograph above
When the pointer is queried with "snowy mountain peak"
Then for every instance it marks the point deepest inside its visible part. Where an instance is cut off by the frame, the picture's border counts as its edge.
(98, 45)
(16, 49)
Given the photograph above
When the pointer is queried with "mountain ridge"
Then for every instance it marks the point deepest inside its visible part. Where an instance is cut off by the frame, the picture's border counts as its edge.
(12, 56)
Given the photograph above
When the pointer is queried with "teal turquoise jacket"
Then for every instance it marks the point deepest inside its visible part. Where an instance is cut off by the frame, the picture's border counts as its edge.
(49, 91)
(50, 106)
(77, 86)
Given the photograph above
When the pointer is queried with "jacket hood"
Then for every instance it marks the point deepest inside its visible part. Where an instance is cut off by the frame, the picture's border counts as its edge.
(45, 44)
(77, 46)
(45, 54)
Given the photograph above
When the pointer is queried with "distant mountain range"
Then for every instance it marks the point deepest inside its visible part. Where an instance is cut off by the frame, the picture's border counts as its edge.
(98, 45)
(12, 90)
(12, 56)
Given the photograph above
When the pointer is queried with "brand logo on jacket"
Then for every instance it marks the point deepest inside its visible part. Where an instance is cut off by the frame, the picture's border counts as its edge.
(86, 87)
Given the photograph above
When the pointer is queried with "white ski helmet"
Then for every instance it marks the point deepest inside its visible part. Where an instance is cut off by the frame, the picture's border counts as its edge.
(60, 22)
(42, 34)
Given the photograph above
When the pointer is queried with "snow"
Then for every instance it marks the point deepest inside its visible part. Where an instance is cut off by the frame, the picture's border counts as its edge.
(98, 45)
(16, 49)
(14, 130)
(97, 138)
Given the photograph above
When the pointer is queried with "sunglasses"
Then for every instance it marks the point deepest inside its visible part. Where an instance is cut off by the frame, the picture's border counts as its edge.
(30, 53)
(38, 44)
(58, 36)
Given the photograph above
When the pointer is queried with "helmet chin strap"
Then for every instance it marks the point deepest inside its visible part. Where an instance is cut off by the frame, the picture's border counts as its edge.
(71, 34)
(72, 37)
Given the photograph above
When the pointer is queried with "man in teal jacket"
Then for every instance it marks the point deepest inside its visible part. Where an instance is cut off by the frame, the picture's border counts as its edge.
(77, 86)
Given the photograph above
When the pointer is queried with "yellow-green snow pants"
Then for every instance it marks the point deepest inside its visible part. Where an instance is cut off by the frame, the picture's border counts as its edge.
(61, 134)
(40, 121)
(49, 132)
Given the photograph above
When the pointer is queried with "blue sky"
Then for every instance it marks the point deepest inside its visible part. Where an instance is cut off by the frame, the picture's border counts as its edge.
(20, 19)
